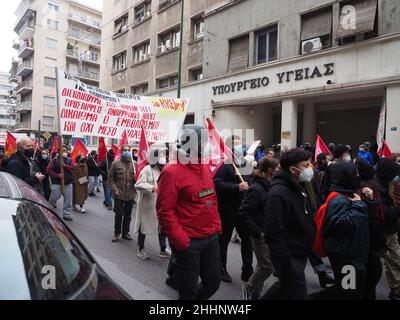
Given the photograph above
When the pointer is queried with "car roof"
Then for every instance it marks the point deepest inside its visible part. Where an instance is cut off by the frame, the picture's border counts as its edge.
(14, 188)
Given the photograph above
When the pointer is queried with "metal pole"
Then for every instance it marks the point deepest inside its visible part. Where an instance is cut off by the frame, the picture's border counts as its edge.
(38, 140)
(180, 50)
(60, 153)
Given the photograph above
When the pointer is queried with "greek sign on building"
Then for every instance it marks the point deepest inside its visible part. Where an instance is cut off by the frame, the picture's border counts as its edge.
(90, 111)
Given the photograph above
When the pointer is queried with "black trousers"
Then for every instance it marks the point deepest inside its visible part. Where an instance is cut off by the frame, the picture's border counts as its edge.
(337, 291)
(292, 283)
(246, 249)
(123, 213)
(161, 239)
(372, 277)
(201, 259)
(228, 222)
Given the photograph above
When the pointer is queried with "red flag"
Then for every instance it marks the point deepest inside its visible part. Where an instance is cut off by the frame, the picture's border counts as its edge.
(102, 152)
(124, 142)
(219, 152)
(117, 151)
(320, 147)
(79, 149)
(11, 145)
(35, 144)
(143, 154)
(385, 152)
(54, 147)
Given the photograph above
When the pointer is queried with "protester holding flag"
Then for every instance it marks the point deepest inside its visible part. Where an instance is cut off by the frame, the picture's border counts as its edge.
(105, 167)
(80, 181)
(122, 183)
(54, 171)
(188, 215)
(146, 215)
(21, 164)
(320, 169)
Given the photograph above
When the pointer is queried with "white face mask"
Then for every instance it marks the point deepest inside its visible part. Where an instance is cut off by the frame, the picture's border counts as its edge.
(162, 161)
(347, 158)
(306, 175)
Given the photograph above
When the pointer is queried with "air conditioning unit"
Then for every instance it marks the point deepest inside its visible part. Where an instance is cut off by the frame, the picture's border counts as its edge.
(311, 45)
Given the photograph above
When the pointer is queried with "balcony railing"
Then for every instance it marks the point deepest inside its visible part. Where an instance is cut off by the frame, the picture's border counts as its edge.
(85, 19)
(25, 84)
(87, 75)
(23, 125)
(88, 56)
(87, 38)
(24, 105)
(25, 64)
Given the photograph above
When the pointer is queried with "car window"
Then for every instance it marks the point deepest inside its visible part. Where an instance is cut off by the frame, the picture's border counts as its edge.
(27, 192)
(56, 266)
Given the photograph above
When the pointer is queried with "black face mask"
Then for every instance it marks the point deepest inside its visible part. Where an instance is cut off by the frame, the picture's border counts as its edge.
(29, 152)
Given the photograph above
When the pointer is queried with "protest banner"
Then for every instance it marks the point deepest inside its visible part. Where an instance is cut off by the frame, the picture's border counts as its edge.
(88, 111)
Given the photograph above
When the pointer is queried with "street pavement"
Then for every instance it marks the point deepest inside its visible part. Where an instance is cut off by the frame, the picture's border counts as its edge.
(145, 280)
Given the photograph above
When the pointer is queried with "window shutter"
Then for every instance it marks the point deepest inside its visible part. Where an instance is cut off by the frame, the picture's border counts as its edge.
(118, 27)
(365, 18)
(316, 24)
(239, 53)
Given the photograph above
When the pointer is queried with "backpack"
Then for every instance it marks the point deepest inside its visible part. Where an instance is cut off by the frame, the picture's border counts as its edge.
(319, 247)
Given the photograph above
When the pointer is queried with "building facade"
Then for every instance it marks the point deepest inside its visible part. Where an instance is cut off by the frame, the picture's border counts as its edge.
(63, 34)
(7, 102)
(287, 69)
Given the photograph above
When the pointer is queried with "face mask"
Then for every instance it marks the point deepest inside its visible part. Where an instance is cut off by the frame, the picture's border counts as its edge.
(126, 154)
(306, 175)
(65, 154)
(29, 152)
(238, 150)
(162, 161)
(396, 179)
(347, 158)
(44, 156)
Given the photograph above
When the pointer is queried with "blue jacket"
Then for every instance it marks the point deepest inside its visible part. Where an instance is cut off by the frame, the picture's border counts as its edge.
(366, 156)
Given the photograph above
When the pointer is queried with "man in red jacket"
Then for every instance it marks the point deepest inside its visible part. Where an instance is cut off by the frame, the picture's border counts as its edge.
(188, 215)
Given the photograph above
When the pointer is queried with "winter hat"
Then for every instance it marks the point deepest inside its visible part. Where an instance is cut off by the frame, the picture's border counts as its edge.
(340, 150)
(387, 169)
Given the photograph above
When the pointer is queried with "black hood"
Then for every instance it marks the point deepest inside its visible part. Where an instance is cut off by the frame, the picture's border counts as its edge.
(284, 178)
(386, 170)
(343, 177)
(365, 170)
(263, 182)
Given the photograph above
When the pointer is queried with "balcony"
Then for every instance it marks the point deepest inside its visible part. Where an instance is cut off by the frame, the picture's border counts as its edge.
(27, 30)
(25, 69)
(25, 125)
(24, 106)
(88, 76)
(7, 121)
(25, 11)
(89, 56)
(26, 49)
(85, 20)
(91, 39)
(25, 87)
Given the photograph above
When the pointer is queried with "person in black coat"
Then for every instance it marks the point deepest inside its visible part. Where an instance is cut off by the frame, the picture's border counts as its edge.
(21, 165)
(42, 161)
(289, 226)
(252, 219)
(230, 191)
(94, 172)
(346, 234)
(387, 173)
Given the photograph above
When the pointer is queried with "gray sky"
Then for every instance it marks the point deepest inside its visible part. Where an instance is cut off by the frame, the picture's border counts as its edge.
(7, 22)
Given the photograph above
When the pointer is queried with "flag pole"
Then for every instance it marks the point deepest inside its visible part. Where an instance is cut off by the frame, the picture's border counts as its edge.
(60, 153)
(148, 150)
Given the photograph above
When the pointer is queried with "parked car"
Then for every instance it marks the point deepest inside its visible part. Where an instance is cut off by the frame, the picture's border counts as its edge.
(41, 259)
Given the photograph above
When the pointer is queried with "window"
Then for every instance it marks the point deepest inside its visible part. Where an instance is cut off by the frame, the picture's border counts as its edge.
(238, 53)
(48, 121)
(198, 28)
(52, 24)
(121, 25)
(364, 26)
(316, 30)
(51, 43)
(50, 62)
(168, 82)
(75, 32)
(140, 89)
(141, 52)
(196, 74)
(54, 7)
(49, 82)
(119, 61)
(266, 42)
(169, 40)
(143, 11)
(49, 101)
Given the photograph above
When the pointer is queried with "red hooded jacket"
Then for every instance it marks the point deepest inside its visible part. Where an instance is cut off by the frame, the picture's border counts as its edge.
(187, 204)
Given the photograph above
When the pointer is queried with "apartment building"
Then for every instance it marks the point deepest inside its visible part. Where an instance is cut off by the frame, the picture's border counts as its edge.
(287, 69)
(63, 34)
(7, 102)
